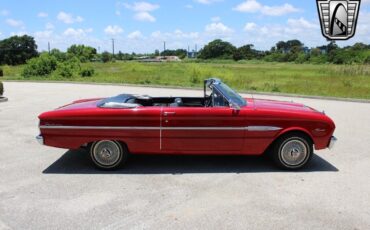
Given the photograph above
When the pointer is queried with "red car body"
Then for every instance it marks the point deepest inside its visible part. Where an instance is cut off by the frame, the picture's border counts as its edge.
(164, 129)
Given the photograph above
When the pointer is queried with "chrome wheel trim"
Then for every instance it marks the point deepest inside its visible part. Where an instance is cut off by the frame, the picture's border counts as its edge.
(294, 152)
(107, 153)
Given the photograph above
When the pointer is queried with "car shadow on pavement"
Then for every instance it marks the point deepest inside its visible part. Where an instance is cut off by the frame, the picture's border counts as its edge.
(78, 162)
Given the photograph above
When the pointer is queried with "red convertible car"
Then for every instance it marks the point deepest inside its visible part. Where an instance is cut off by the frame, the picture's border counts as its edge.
(220, 122)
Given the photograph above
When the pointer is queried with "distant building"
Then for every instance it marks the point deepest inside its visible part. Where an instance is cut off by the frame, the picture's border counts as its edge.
(168, 58)
(323, 49)
(306, 50)
(192, 54)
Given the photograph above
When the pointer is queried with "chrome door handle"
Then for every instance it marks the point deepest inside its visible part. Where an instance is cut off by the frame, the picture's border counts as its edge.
(169, 113)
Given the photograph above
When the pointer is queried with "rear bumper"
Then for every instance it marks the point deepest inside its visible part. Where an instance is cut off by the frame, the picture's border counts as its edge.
(40, 139)
(332, 142)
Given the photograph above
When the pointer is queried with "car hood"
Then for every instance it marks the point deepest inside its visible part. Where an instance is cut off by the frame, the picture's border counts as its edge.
(281, 105)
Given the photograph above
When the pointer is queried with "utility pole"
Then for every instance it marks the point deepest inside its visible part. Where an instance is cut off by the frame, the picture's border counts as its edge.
(196, 51)
(113, 47)
(164, 46)
(49, 47)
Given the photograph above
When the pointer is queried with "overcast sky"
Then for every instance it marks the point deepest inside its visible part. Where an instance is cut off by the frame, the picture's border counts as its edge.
(142, 26)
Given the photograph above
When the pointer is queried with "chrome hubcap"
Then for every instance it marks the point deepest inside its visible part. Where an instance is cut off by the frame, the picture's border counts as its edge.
(106, 153)
(294, 152)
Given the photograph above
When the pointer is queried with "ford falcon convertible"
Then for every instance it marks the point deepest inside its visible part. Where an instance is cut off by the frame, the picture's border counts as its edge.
(219, 123)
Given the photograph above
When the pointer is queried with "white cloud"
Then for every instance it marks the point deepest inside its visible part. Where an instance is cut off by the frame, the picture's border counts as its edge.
(188, 6)
(250, 26)
(249, 6)
(68, 18)
(177, 34)
(141, 6)
(49, 26)
(43, 34)
(14, 23)
(135, 35)
(180, 34)
(4, 13)
(77, 32)
(113, 30)
(42, 15)
(218, 28)
(302, 23)
(253, 6)
(207, 2)
(142, 10)
(279, 10)
(145, 17)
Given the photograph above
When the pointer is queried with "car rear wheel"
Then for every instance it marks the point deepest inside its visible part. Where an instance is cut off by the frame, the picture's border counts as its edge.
(107, 154)
(292, 151)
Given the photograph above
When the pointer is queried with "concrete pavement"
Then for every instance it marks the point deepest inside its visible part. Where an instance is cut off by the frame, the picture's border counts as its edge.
(49, 188)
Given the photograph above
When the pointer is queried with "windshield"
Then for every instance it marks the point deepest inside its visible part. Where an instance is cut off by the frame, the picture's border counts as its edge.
(230, 94)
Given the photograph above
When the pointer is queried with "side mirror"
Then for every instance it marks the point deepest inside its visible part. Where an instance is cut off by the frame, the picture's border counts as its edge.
(234, 106)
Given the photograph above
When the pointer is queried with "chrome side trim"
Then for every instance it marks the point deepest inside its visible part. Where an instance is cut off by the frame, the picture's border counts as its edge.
(40, 139)
(263, 128)
(204, 128)
(99, 127)
(248, 128)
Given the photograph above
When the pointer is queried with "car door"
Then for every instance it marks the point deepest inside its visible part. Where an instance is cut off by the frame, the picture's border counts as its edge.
(202, 129)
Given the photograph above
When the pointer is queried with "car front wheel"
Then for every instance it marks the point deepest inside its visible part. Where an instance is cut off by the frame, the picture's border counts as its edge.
(107, 154)
(292, 151)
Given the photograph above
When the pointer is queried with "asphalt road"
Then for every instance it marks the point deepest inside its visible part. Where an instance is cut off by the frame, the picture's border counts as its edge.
(49, 188)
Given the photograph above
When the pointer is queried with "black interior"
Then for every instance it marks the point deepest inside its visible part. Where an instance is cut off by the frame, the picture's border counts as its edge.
(170, 101)
(156, 101)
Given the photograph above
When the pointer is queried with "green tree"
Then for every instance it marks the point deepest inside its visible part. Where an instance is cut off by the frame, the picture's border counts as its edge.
(82, 52)
(106, 57)
(59, 55)
(248, 52)
(181, 53)
(17, 50)
(217, 49)
(237, 56)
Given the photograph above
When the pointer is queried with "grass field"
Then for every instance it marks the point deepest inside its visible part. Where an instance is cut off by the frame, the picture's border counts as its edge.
(351, 81)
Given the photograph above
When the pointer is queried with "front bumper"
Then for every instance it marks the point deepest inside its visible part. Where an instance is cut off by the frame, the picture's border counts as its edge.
(40, 139)
(332, 142)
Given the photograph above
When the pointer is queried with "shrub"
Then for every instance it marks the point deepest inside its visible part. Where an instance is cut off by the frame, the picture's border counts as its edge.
(69, 69)
(106, 57)
(40, 66)
(1, 72)
(1, 88)
(87, 72)
(366, 61)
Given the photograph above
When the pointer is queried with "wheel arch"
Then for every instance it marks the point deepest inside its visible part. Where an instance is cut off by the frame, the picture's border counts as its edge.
(91, 142)
(289, 131)
(296, 130)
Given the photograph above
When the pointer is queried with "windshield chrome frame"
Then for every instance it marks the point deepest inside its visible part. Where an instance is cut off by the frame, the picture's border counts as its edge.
(216, 83)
